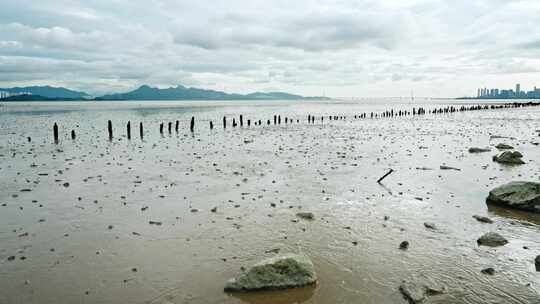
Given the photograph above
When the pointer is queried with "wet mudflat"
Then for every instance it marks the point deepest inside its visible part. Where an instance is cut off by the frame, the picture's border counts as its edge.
(171, 218)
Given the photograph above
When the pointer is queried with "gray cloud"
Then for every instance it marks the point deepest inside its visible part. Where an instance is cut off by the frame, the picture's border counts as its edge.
(342, 47)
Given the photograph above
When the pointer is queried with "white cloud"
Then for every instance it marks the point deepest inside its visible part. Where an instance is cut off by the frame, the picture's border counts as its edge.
(343, 47)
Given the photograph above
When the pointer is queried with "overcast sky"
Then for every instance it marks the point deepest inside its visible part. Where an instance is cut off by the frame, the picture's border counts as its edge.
(364, 48)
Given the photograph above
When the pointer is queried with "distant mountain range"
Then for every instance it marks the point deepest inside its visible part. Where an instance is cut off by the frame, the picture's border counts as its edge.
(145, 92)
(47, 92)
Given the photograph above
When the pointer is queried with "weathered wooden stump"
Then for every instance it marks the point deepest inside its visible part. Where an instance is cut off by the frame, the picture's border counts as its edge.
(73, 134)
(170, 127)
(176, 126)
(55, 133)
(129, 130)
(161, 128)
(241, 120)
(141, 131)
(211, 125)
(192, 124)
(109, 127)
(224, 122)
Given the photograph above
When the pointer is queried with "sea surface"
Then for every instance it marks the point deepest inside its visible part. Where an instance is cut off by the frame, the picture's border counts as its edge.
(94, 220)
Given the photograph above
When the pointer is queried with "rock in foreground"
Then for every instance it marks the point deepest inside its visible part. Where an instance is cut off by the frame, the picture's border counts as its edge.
(509, 157)
(280, 272)
(520, 195)
(492, 239)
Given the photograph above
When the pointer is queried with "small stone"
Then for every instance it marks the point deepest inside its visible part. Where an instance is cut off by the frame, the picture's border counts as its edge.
(483, 219)
(478, 150)
(509, 158)
(492, 239)
(430, 225)
(306, 215)
(404, 245)
(503, 146)
(488, 271)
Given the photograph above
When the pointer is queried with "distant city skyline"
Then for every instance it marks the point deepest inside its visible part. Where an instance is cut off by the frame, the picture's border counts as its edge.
(507, 93)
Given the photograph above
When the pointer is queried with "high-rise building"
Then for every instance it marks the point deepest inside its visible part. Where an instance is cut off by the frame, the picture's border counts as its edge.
(518, 90)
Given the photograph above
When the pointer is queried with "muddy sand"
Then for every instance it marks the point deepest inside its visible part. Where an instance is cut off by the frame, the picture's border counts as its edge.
(171, 218)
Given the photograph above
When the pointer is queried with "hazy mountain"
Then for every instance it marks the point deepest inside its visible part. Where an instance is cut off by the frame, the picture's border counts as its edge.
(48, 92)
(145, 92)
(184, 93)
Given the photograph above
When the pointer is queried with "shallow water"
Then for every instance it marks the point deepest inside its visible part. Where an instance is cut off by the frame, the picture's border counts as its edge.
(82, 243)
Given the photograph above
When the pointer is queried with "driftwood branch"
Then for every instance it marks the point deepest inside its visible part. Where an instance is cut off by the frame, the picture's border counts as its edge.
(384, 176)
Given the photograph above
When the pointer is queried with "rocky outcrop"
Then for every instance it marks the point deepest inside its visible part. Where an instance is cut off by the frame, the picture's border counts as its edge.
(492, 239)
(280, 272)
(509, 157)
(519, 195)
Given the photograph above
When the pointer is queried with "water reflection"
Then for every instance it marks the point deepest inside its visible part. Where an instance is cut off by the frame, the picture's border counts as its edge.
(297, 295)
(514, 214)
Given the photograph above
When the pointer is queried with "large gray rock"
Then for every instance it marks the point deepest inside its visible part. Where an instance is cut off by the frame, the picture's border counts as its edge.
(509, 157)
(492, 239)
(520, 195)
(280, 272)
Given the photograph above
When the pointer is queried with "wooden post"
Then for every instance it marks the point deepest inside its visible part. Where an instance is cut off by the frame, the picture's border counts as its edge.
(279, 119)
(55, 133)
(384, 176)
(170, 127)
(211, 125)
(224, 122)
(73, 134)
(176, 126)
(249, 122)
(241, 120)
(161, 128)
(192, 124)
(29, 139)
(141, 130)
(109, 127)
(129, 130)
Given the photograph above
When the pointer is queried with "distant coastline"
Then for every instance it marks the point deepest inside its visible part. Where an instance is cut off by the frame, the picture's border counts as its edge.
(144, 92)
